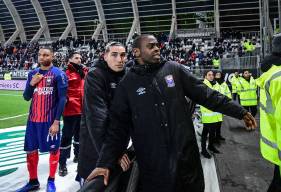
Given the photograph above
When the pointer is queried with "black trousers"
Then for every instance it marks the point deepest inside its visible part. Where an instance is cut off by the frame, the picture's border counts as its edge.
(71, 128)
(218, 130)
(234, 96)
(252, 109)
(275, 185)
(209, 128)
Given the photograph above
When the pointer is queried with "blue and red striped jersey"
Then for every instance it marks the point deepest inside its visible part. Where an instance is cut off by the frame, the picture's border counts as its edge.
(45, 99)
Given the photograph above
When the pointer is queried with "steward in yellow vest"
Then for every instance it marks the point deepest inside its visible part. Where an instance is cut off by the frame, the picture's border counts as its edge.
(234, 83)
(223, 89)
(216, 63)
(211, 120)
(247, 90)
(270, 111)
(8, 76)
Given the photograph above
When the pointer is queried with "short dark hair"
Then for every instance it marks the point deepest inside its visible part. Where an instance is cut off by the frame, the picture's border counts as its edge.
(48, 48)
(138, 39)
(207, 71)
(111, 44)
(71, 55)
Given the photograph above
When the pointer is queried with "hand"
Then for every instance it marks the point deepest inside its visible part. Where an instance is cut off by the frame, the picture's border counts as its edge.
(54, 129)
(124, 162)
(99, 172)
(36, 79)
(250, 121)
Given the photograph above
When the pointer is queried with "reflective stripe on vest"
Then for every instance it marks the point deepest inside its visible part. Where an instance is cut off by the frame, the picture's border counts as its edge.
(272, 145)
(269, 108)
(247, 92)
(210, 114)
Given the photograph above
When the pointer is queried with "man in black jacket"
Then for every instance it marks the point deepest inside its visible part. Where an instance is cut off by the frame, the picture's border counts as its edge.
(100, 85)
(150, 106)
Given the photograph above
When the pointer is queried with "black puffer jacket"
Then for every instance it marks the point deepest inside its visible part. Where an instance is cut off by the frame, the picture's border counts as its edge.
(100, 85)
(150, 106)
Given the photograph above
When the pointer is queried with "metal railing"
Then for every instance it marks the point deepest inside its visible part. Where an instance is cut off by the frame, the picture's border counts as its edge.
(251, 63)
(240, 63)
(196, 33)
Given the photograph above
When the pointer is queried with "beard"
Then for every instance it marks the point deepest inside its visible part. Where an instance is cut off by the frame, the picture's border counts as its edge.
(46, 64)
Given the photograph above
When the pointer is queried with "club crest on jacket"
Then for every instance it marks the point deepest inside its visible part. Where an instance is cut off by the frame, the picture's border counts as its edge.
(170, 81)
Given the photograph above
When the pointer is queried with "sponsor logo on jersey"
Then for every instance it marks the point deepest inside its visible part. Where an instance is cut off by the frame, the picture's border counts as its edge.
(44, 90)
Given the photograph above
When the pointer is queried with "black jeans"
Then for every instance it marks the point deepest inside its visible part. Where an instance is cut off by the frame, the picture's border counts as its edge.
(209, 128)
(71, 128)
(218, 130)
(252, 109)
(275, 185)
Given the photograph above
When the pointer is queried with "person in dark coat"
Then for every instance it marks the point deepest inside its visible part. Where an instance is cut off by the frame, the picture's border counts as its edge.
(150, 106)
(100, 85)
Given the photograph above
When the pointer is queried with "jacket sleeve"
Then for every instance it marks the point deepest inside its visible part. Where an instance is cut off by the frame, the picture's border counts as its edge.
(118, 133)
(95, 107)
(211, 99)
(62, 84)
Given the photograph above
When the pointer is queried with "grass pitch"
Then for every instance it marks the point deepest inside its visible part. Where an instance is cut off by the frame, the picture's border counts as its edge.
(13, 109)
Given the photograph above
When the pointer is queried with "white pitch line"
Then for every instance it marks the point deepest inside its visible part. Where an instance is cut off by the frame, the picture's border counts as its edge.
(11, 162)
(11, 154)
(10, 95)
(6, 118)
(10, 166)
(21, 156)
(12, 129)
(13, 147)
(11, 140)
(15, 144)
(5, 151)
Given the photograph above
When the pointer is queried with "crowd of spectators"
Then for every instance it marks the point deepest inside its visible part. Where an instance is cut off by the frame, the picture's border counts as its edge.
(190, 52)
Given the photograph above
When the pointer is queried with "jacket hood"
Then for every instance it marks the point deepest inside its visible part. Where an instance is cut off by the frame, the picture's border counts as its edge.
(269, 61)
(147, 68)
(79, 68)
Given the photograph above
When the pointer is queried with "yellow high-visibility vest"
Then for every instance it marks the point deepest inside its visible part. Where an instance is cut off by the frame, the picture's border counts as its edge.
(224, 89)
(8, 76)
(234, 82)
(247, 92)
(270, 114)
(216, 63)
(209, 116)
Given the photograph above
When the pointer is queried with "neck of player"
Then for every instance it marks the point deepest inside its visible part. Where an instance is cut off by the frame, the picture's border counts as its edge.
(45, 68)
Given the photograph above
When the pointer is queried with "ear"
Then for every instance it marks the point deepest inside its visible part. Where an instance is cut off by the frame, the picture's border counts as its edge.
(105, 56)
(136, 52)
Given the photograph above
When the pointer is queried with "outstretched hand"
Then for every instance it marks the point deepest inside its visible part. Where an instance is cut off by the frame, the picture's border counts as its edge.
(99, 172)
(250, 121)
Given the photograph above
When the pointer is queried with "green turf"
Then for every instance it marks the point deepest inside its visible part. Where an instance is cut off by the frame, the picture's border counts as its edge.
(12, 104)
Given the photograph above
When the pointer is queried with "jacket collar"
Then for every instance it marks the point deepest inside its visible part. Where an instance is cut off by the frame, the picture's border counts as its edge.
(147, 69)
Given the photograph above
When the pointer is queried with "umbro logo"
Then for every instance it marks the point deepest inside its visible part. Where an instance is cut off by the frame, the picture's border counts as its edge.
(141, 91)
(113, 85)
